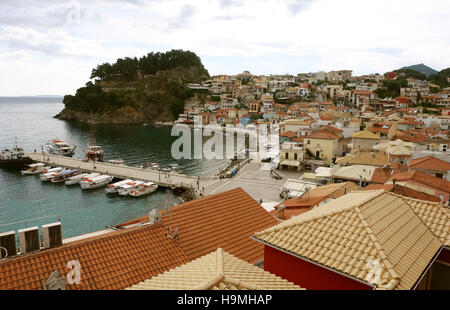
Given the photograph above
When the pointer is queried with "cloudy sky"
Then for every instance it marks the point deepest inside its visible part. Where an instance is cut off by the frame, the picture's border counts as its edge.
(49, 47)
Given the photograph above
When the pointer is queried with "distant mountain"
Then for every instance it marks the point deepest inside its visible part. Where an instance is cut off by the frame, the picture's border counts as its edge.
(422, 69)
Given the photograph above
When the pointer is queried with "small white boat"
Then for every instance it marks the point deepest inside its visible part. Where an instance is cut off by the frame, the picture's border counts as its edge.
(65, 175)
(35, 169)
(144, 189)
(127, 188)
(114, 188)
(96, 182)
(116, 161)
(77, 178)
(47, 175)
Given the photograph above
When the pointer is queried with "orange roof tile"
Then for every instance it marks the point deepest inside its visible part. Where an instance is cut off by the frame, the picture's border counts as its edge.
(289, 134)
(381, 175)
(323, 134)
(423, 178)
(225, 220)
(429, 163)
(403, 191)
(108, 262)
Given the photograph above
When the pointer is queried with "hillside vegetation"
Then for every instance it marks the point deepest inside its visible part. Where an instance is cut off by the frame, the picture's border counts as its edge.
(131, 90)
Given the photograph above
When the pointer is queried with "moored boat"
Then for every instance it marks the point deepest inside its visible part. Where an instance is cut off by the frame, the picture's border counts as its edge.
(114, 188)
(35, 169)
(47, 175)
(77, 178)
(144, 189)
(63, 176)
(59, 147)
(14, 158)
(91, 183)
(127, 188)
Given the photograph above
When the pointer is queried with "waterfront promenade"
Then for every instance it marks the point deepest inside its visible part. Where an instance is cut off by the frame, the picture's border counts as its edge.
(162, 178)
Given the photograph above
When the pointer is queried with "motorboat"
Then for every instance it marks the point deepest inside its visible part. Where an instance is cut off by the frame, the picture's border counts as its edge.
(91, 183)
(144, 189)
(127, 188)
(114, 188)
(59, 147)
(35, 169)
(65, 175)
(77, 178)
(47, 175)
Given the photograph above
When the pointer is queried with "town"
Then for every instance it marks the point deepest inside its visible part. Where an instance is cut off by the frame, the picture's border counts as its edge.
(355, 199)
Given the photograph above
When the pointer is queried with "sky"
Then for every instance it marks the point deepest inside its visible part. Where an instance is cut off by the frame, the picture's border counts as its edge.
(49, 47)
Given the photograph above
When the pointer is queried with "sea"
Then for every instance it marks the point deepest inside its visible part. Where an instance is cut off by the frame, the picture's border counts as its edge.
(25, 201)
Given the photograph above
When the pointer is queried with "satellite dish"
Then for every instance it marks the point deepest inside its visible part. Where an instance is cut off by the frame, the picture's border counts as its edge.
(55, 282)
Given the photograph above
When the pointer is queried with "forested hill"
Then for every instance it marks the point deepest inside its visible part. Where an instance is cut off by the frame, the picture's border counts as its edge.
(131, 90)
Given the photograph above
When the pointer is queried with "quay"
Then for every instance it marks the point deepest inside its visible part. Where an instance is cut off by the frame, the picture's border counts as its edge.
(162, 178)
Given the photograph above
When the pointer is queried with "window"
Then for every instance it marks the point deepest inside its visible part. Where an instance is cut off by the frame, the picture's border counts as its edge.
(286, 156)
(308, 141)
(295, 156)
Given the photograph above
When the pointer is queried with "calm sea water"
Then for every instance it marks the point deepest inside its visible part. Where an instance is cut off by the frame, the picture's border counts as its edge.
(26, 201)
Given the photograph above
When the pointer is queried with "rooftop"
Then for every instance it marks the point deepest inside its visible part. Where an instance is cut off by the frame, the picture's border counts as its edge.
(218, 270)
(359, 227)
(225, 220)
(423, 178)
(109, 262)
(430, 163)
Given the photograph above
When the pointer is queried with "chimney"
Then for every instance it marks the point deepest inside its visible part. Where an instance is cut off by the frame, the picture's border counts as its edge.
(52, 235)
(7, 244)
(29, 239)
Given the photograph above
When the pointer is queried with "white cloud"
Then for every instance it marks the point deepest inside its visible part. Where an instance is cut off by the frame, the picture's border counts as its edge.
(268, 36)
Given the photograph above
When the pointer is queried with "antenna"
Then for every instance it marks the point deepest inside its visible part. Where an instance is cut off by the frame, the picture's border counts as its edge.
(55, 282)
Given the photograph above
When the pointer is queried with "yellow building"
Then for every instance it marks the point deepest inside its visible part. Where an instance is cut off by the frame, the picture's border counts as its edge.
(321, 145)
(364, 141)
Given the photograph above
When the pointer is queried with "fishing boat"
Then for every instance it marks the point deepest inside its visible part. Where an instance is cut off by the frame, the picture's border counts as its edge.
(91, 183)
(93, 152)
(14, 157)
(144, 189)
(35, 169)
(127, 188)
(65, 175)
(77, 178)
(51, 173)
(114, 188)
(59, 147)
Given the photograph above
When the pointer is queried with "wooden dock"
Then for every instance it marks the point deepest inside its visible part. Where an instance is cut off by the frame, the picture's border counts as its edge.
(162, 178)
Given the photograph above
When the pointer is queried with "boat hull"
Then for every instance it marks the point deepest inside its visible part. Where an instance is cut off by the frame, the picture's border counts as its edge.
(142, 193)
(15, 163)
(97, 184)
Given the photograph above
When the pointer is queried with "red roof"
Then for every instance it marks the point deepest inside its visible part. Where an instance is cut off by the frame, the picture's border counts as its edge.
(323, 134)
(403, 191)
(423, 178)
(225, 220)
(108, 262)
(430, 163)
(289, 134)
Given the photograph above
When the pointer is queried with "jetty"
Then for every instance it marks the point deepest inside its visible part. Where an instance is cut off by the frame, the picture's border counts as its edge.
(162, 178)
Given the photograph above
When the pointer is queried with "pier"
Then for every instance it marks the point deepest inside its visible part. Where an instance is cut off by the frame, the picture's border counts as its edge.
(162, 178)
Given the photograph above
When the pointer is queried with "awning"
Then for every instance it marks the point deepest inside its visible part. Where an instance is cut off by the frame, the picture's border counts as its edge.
(292, 163)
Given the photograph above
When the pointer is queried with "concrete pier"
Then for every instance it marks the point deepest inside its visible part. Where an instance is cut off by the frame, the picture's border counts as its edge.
(162, 178)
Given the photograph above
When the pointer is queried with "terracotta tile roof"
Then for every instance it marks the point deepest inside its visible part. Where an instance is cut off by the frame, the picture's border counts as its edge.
(108, 262)
(218, 270)
(430, 163)
(381, 175)
(412, 138)
(297, 206)
(404, 191)
(225, 220)
(435, 216)
(323, 134)
(423, 178)
(289, 134)
(348, 233)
